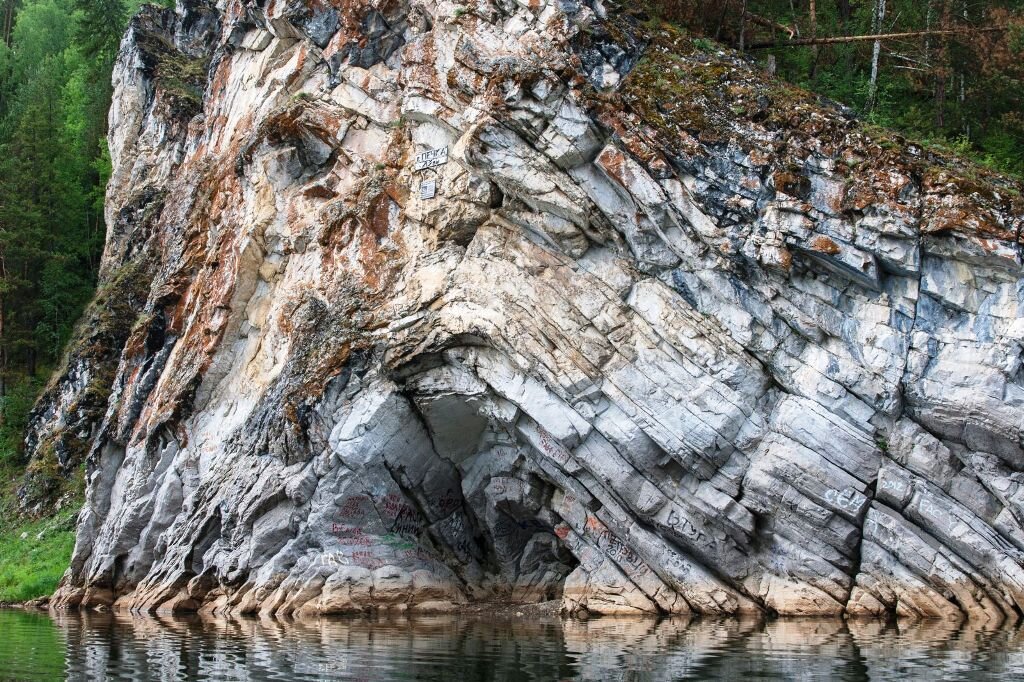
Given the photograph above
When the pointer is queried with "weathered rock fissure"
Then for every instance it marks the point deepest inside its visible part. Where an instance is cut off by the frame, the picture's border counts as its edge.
(655, 334)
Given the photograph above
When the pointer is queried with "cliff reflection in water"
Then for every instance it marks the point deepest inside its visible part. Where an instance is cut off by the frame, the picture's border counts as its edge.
(105, 646)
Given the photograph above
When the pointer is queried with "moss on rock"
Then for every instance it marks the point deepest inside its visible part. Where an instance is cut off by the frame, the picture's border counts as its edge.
(89, 368)
(180, 77)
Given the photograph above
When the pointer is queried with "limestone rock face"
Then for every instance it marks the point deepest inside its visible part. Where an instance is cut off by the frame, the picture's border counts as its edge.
(652, 334)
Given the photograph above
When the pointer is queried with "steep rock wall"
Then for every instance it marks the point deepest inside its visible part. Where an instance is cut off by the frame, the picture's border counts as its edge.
(660, 336)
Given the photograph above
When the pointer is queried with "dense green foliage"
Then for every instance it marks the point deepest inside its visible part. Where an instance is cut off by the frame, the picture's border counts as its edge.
(17, 404)
(957, 84)
(55, 62)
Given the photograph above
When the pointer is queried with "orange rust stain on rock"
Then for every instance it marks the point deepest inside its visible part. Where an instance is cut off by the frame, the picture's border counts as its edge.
(221, 78)
(398, 193)
(792, 183)
(823, 244)
(199, 292)
(297, 72)
(751, 183)
(371, 259)
(378, 216)
(245, 125)
(613, 161)
(759, 158)
(422, 70)
(785, 258)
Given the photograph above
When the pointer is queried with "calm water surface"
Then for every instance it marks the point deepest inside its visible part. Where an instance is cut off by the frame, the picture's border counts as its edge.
(35, 646)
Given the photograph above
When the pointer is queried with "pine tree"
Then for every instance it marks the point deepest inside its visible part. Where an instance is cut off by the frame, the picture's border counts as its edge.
(100, 24)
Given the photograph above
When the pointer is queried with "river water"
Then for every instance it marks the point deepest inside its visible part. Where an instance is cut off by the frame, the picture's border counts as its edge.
(37, 646)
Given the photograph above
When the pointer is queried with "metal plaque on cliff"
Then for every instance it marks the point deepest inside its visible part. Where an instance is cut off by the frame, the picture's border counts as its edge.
(428, 189)
(431, 159)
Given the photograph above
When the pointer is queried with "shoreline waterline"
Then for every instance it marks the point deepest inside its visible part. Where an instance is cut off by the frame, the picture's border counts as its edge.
(497, 646)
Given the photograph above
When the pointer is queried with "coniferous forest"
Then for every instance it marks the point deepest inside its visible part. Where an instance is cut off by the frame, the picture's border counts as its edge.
(947, 73)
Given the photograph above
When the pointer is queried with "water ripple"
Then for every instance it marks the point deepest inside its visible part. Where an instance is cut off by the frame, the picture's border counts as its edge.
(35, 646)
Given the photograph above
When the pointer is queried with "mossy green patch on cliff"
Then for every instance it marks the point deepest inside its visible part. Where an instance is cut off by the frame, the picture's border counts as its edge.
(98, 342)
(182, 78)
(104, 328)
(115, 310)
(694, 85)
(34, 553)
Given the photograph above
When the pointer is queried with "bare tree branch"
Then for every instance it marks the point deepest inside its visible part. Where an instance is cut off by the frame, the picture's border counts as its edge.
(803, 42)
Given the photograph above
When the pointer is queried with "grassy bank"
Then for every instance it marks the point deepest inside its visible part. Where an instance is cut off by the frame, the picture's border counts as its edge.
(33, 552)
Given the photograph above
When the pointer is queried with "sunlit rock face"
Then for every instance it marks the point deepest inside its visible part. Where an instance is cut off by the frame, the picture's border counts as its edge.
(654, 334)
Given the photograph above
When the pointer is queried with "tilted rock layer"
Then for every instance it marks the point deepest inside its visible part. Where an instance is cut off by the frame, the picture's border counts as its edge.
(656, 335)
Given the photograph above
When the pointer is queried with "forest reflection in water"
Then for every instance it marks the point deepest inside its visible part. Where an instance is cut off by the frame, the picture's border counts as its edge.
(111, 647)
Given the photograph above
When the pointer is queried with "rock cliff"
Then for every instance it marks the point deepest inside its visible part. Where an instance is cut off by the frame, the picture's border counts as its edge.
(412, 303)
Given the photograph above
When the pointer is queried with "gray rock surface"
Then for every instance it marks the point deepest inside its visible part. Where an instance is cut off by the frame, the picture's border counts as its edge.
(638, 351)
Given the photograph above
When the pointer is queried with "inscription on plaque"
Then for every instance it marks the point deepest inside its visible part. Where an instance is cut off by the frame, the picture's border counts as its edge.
(431, 159)
(428, 189)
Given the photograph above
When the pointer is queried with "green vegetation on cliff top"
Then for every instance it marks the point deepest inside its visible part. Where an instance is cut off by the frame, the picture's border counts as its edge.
(946, 74)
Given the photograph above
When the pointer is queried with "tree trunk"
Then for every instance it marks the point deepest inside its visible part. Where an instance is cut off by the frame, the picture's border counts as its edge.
(3, 337)
(769, 24)
(8, 21)
(845, 12)
(964, 123)
(813, 12)
(928, 27)
(942, 70)
(743, 25)
(721, 21)
(875, 54)
(3, 355)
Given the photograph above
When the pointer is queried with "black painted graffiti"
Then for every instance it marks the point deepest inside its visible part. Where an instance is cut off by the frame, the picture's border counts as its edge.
(683, 526)
(613, 548)
(407, 522)
(449, 502)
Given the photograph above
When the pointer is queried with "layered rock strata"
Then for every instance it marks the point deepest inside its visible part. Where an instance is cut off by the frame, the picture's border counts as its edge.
(534, 300)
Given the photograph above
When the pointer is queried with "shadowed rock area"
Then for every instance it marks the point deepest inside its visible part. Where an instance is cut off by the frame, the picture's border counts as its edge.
(655, 335)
